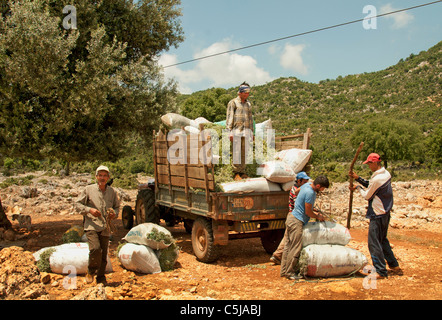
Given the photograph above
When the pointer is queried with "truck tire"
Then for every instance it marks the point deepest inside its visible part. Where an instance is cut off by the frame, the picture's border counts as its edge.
(271, 239)
(203, 241)
(127, 217)
(145, 208)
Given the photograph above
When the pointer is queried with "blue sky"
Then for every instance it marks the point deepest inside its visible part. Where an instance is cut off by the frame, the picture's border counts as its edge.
(215, 26)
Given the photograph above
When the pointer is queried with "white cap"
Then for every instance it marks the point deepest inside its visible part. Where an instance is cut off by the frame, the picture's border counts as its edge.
(102, 168)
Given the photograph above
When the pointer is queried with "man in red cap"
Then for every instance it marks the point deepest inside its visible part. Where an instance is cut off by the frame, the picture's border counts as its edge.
(379, 194)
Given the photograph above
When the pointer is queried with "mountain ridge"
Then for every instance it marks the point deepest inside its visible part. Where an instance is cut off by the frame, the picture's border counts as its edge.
(407, 93)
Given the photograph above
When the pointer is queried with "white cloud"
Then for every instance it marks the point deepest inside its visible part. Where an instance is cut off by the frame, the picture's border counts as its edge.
(291, 58)
(226, 70)
(400, 19)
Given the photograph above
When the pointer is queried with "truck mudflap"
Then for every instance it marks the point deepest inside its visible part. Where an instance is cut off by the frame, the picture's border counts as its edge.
(259, 225)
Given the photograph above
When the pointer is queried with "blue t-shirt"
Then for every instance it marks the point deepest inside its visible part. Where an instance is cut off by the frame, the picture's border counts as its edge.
(306, 194)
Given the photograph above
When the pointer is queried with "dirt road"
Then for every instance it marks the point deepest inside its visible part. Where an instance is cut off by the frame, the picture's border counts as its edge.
(244, 272)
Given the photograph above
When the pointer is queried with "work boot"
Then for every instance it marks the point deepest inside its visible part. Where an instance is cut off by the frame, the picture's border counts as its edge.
(396, 271)
(295, 276)
(89, 278)
(101, 279)
(275, 260)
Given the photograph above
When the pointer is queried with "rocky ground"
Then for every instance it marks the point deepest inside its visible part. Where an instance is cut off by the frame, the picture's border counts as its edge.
(243, 270)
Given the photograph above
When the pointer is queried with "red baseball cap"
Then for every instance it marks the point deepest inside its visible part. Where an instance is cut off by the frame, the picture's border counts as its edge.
(373, 157)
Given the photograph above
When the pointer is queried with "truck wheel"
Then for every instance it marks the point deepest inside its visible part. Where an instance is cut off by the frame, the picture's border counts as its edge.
(145, 209)
(271, 239)
(127, 217)
(202, 241)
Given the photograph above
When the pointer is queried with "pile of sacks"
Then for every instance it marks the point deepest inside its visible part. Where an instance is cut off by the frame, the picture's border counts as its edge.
(148, 248)
(275, 175)
(68, 258)
(325, 254)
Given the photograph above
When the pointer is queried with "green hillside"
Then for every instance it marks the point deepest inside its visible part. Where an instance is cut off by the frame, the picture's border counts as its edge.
(396, 111)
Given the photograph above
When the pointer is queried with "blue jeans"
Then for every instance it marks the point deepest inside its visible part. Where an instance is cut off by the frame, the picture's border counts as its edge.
(379, 246)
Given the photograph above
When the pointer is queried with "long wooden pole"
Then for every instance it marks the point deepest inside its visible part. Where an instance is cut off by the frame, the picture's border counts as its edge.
(350, 202)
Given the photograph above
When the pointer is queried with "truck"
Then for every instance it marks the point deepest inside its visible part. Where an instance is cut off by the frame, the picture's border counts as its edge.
(186, 192)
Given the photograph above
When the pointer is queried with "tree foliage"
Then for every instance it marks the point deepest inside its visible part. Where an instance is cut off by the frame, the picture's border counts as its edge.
(210, 104)
(80, 94)
(392, 139)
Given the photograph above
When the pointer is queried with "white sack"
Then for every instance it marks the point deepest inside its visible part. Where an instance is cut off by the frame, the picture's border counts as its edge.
(261, 128)
(330, 260)
(139, 258)
(287, 186)
(175, 120)
(295, 158)
(139, 235)
(326, 232)
(191, 130)
(70, 257)
(196, 123)
(252, 184)
(277, 171)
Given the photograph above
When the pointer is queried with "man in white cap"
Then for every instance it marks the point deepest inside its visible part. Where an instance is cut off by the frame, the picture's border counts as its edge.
(379, 194)
(99, 203)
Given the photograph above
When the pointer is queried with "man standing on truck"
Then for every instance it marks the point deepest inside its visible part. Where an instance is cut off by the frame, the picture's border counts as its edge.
(98, 203)
(296, 220)
(239, 121)
(379, 194)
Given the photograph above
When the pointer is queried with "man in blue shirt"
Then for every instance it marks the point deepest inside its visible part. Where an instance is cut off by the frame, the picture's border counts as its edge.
(295, 222)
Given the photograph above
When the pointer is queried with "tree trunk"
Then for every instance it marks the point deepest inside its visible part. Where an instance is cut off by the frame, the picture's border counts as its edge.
(4, 221)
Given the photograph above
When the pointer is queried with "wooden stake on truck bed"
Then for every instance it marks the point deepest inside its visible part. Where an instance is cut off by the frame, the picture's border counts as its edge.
(350, 202)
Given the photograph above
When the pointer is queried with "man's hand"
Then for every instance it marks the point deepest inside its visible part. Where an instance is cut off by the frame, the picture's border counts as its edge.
(353, 188)
(95, 212)
(353, 175)
(111, 213)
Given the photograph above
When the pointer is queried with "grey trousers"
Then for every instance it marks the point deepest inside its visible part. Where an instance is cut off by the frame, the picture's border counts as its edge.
(98, 246)
(292, 247)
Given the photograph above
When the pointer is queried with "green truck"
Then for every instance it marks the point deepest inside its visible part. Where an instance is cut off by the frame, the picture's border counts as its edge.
(186, 193)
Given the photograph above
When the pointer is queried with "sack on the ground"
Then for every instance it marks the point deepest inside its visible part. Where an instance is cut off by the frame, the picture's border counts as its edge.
(69, 258)
(330, 261)
(167, 257)
(249, 185)
(295, 158)
(174, 120)
(325, 232)
(139, 258)
(150, 234)
(277, 171)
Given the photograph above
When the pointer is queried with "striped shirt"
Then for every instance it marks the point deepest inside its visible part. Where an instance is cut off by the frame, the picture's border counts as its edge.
(239, 115)
(292, 197)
